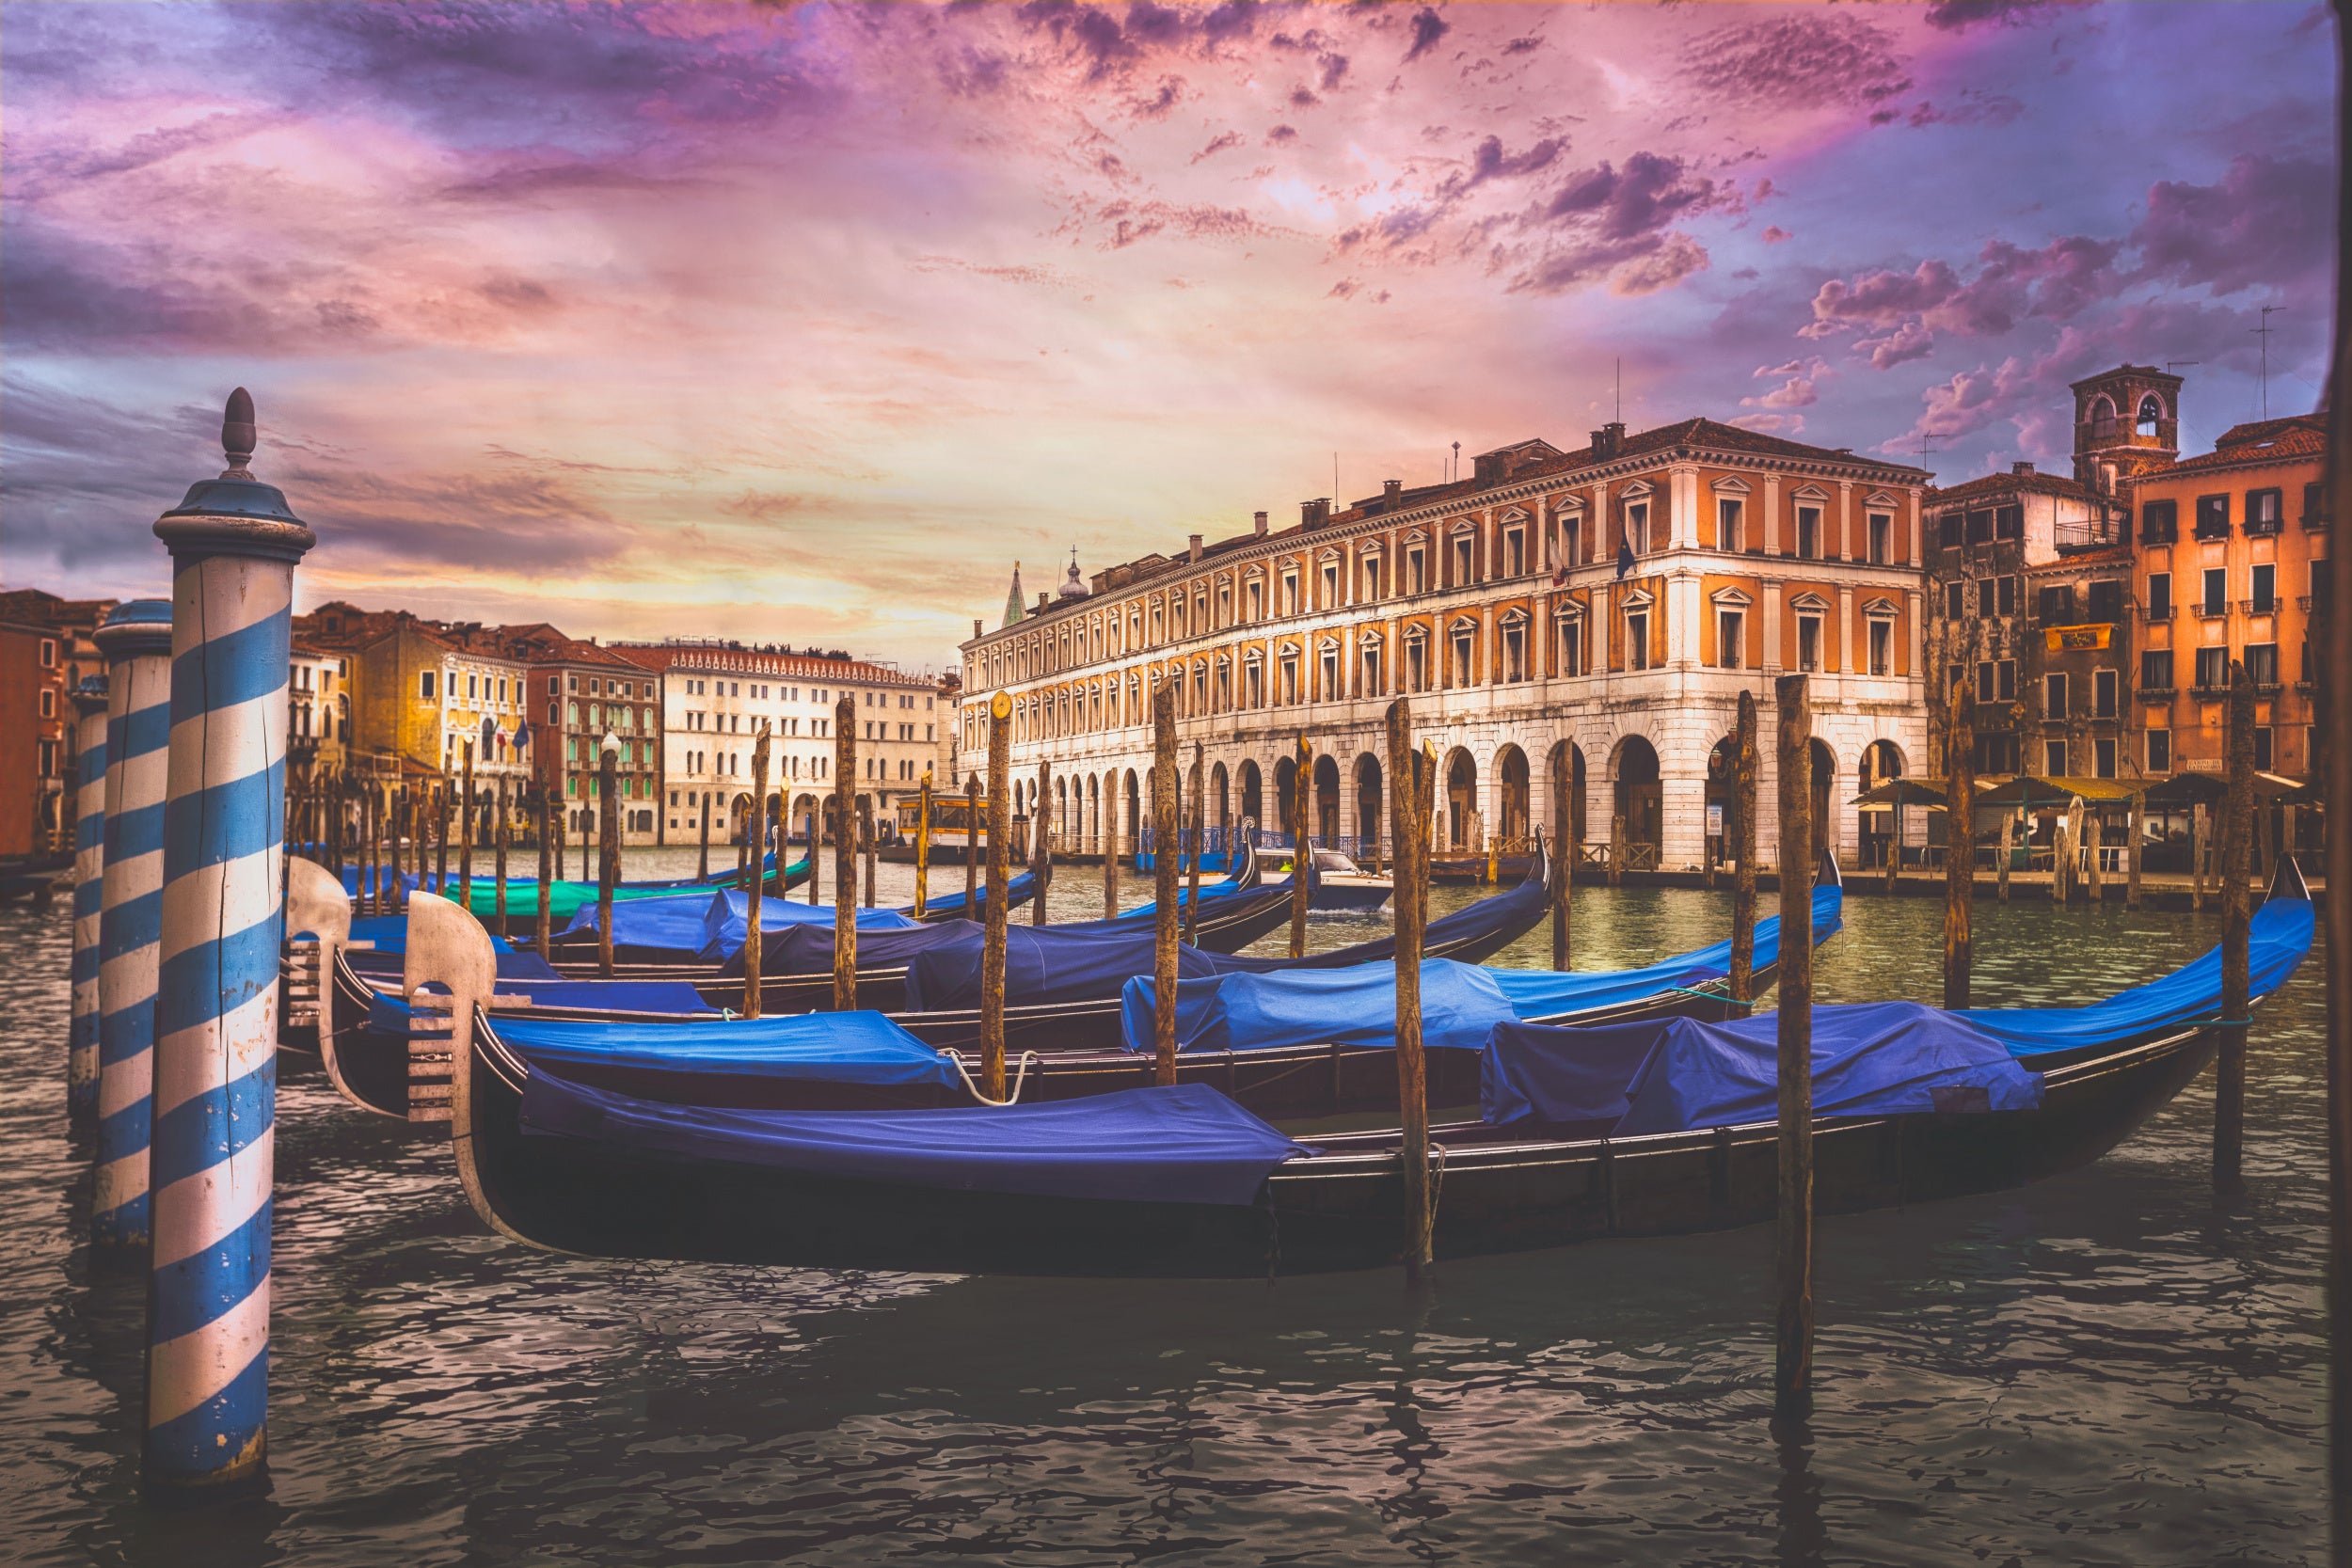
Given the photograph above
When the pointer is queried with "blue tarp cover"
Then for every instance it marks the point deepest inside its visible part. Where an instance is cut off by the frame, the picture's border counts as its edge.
(353, 875)
(1255, 1004)
(1181, 1143)
(1042, 965)
(521, 968)
(708, 927)
(1675, 1074)
(673, 998)
(1019, 891)
(1230, 887)
(806, 949)
(389, 932)
(2278, 939)
(834, 1048)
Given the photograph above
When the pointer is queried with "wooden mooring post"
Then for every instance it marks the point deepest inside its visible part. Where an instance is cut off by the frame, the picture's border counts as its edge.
(993, 911)
(1110, 859)
(1197, 822)
(543, 927)
(499, 836)
(2237, 843)
(845, 855)
(702, 865)
(1410, 873)
(440, 836)
(1563, 817)
(923, 844)
(1164, 857)
(2200, 837)
(2333, 708)
(465, 835)
(1744, 771)
(867, 843)
(1960, 847)
(2134, 829)
(1794, 1331)
(1302, 781)
(1042, 851)
(2009, 842)
(973, 830)
(816, 860)
(608, 850)
(755, 888)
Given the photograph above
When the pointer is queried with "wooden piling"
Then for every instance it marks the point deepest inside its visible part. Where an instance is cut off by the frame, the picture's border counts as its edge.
(1302, 781)
(1793, 1335)
(1410, 873)
(391, 852)
(440, 836)
(844, 854)
(2134, 827)
(2237, 837)
(754, 886)
(1041, 852)
(1744, 768)
(464, 836)
(1616, 847)
(702, 867)
(923, 844)
(1563, 818)
(1163, 820)
(543, 927)
(2009, 835)
(1110, 860)
(608, 850)
(973, 830)
(1960, 847)
(2094, 841)
(816, 862)
(2199, 835)
(499, 835)
(866, 838)
(993, 930)
(2332, 706)
(1198, 823)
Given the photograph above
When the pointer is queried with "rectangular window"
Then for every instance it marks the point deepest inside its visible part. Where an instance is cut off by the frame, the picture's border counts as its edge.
(1985, 689)
(49, 653)
(425, 686)
(2056, 606)
(2009, 522)
(1637, 525)
(1372, 578)
(1462, 655)
(2262, 663)
(473, 688)
(1330, 584)
(2054, 695)
(1882, 646)
(1955, 600)
(2159, 596)
(2212, 669)
(2106, 599)
(1462, 561)
(2103, 686)
(1809, 642)
(2159, 750)
(1637, 641)
(2009, 594)
(2265, 512)
(1255, 596)
(1729, 628)
(48, 702)
(2007, 691)
(1290, 593)
(2265, 597)
(1515, 552)
(1572, 645)
(2160, 523)
(1882, 539)
(2103, 755)
(2217, 600)
(2213, 516)
(2053, 758)
(2155, 670)
(1981, 526)
(2262, 749)
(1417, 665)
(1514, 654)
(1809, 533)
(1726, 525)
(1988, 604)
(1947, 528)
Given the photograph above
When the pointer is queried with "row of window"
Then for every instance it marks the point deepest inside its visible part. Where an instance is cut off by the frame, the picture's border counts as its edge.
(2264, 513)
(2157, 673)
(738, 764)
(1982, 525)
(2261, 589)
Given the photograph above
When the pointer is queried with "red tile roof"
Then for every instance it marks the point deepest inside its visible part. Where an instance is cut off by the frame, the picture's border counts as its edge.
(2002, 484)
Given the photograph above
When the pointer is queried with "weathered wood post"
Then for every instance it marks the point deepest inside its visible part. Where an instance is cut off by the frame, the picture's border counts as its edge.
(2134, 827)
(90, 891)
(1960, 847)
(993, 912)
(845, 854)
(2094, 841)
(233, 546)
(608, 845)
(441, 836)
(2200, 837)
(543, 927)
(499, 838)
(464, 836)
(1411, 876)
(389, 894)
(1744, 768)
(865, 840)
(1041, 851)
(1616, 847)
(1164, 858)
(1302, 777)
(702, 867)
(923, 845)
(136, 639)
(563, 832)
(1793, 1361)
(1110, 858)
(972, 832)
(1564, 873)
(2070, 860)
(1199, 844)
(2237, 836)
(815, 864)
(754, 890)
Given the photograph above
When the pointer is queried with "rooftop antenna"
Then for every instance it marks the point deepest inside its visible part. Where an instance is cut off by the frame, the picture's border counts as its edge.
(2264, 332)
(1620, 414)
(1455, 472)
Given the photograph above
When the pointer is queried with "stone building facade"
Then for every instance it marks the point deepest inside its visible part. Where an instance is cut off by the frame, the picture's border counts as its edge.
(1612, 602)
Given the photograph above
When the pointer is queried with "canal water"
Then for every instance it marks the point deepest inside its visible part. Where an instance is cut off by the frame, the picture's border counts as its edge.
(2106, 1368)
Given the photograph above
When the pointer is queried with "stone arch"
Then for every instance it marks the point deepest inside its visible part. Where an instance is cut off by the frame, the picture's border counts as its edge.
(1285, 793)
(1221, 812)
(1253, 792)
(1326, 821)
(1514, 797)
(1875, 825)
(1371, 817)
(1457, 799)
(1722, 803)
(1637, 794)
(1135, 810)
(1824, 796)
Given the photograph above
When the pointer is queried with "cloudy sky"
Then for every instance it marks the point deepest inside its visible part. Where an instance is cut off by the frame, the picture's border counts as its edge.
(802, 323)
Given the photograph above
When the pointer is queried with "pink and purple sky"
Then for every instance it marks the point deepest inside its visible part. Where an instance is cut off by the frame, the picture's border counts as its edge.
(802, 323)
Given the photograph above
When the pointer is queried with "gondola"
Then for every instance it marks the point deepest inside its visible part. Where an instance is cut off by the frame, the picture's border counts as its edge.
(1182, 1181)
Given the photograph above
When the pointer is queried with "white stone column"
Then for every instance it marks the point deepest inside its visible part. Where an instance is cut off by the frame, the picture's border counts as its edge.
(1917, 603)
(1683, 508)
(1772, 518)
(1682, 612)
(1845, 550)
(1847, 663)
(1774, 593)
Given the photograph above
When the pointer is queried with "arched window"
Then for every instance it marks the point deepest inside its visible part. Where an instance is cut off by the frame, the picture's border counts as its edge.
(2151, 410)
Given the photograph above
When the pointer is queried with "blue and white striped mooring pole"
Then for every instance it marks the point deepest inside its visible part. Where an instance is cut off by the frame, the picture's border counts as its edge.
(137, 640)
(90, 865)
(233, 547)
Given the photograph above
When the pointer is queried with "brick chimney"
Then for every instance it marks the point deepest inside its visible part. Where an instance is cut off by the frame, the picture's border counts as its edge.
(2021, 468)
(1608, 441)
(1261, 522)
(976, 631)
(1196, 547)
(1391, 493)
(1314, 513)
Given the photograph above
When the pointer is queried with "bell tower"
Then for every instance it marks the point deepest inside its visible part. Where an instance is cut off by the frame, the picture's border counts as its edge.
(2126, 422)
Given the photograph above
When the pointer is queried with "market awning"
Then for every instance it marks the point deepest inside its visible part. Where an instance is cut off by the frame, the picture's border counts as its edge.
(1904, 792)
(2183, 791)
(2033, 791)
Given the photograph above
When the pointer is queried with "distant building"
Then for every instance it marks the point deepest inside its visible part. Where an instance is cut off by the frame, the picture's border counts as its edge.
(581, 693)
(318, 709)
(45, 652)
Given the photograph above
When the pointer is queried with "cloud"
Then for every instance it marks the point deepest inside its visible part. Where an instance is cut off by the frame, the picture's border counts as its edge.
(2265, 222)
(1805, 60)
(1428, 27)
(1797, 391)
(1776, 234)
(1217, 145)
(2011, 283)
(1977, 106)
(1958, 15)
(1608, 220)
(1911, 341)
(1169, 93)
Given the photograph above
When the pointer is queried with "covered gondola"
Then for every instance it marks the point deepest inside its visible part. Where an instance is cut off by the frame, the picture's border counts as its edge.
(1655, 1128)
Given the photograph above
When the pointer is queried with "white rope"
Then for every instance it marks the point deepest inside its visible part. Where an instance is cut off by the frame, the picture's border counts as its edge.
(1020, 1077)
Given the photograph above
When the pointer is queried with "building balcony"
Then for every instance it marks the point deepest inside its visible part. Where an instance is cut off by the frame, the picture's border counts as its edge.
(2264, 528)
(2167, 535)
(2165, 692)
(2317, 521)
(2209, 611)
(2158, 614)
(2212, 531)
(2259, 606)
(2209, 693)
(2313, 604)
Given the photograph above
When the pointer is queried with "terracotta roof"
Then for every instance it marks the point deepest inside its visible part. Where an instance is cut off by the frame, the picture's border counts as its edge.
(2002, 484)
(2285, 440)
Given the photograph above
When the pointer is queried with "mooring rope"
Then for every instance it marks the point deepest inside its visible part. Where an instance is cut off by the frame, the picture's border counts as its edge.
(1021, 1076)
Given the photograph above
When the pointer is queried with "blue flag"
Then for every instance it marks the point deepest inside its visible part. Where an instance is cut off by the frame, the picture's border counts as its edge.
(1625, 559)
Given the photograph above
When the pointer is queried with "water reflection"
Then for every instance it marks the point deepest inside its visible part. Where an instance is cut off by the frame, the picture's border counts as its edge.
(2105, 1367)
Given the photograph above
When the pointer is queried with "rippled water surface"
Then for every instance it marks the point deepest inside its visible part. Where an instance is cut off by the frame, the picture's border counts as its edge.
(2109, 1368)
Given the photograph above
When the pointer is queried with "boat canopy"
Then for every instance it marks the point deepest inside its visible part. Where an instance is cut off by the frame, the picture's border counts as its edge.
(708, 928)
(838, 1048)
(1184, 1143)
(1019, 890)
(1677, 1074)
(389, 934)
(390, 1014)
(1276, 1005)
(2278, 937)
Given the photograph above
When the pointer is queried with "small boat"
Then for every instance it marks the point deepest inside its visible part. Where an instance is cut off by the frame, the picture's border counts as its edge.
(1661, 1127)
(1342, 885)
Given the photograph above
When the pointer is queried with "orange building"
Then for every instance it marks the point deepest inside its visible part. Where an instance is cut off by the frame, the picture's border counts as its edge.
(2233, 549)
